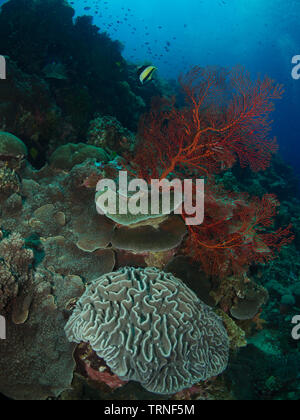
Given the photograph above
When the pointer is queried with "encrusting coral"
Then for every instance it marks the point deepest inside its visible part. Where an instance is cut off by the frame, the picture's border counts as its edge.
(11, 146)
(107, 132)
(204, 138)
(69, 155)
(41, 271)
(36, 360)
(151, 328)
(15, 267)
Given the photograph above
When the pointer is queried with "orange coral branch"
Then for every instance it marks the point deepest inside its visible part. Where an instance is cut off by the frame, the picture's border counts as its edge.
(226, 118)
(243, 237)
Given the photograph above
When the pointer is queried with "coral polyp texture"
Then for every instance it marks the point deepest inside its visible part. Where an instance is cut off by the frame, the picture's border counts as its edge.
(150, 328)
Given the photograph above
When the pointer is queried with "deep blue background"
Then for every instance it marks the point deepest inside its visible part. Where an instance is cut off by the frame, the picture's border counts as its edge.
(262, 35)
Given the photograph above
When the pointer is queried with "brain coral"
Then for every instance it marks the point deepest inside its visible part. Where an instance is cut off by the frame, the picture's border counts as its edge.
(151, 328)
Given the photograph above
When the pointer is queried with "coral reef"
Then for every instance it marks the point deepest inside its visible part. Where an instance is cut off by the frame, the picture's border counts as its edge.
(9, 182)
(15, 271)
(52, 243)
(107, 132)
(258, 374)
(156, 307)
(50, 223)
(167, 234)
(57, 90)
(36, 359)
(69, 155)
(206, 137)
(41, 271)
(29, 110)
(11, 146)
(149, 327)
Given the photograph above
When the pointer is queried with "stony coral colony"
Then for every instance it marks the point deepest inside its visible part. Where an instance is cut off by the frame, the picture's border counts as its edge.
(155, 306)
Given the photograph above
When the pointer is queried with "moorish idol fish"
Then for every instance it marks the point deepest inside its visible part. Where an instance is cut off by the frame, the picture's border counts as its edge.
(145, 73)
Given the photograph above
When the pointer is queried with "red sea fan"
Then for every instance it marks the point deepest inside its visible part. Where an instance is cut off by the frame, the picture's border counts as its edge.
(236, 234)
(226, 118)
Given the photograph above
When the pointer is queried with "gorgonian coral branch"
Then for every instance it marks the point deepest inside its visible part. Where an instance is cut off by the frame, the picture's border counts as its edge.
(226, 118)
(236, 233)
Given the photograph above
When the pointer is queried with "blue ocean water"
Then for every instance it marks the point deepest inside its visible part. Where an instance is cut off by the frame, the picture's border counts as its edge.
(262, 35)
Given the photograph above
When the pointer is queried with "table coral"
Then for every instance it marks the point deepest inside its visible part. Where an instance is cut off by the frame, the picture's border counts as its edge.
(147, 238)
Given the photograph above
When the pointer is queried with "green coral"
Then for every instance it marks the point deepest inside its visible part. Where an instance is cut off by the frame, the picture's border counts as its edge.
(237, 336)
(69, 155)
(11, 145)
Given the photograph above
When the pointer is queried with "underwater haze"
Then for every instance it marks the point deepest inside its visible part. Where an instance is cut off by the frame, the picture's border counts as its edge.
(262, 35)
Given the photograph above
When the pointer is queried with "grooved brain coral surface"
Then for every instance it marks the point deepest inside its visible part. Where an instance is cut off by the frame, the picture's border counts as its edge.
(150, 328)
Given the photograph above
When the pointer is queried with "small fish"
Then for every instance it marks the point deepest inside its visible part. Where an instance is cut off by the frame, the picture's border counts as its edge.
(145, 73)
